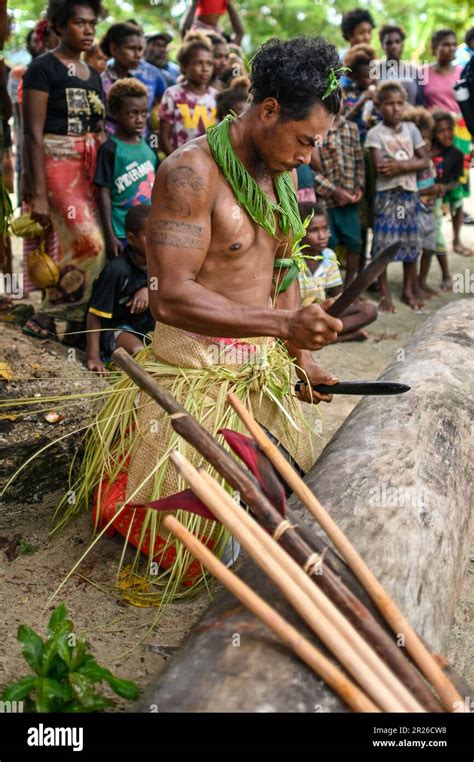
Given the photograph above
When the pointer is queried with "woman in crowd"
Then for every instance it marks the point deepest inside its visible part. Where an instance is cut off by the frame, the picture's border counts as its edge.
(63, 114)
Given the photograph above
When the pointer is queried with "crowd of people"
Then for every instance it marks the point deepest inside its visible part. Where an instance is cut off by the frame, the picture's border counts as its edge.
(91, 120)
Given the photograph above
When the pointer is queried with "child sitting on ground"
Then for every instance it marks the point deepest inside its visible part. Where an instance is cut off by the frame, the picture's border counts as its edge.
(118, 314)
(126, 164)
(449, 164)
(398, 153)
(322, 278)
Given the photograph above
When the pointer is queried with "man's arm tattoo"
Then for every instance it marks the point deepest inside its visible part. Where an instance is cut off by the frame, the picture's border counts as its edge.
(181, 235)
(181, 183)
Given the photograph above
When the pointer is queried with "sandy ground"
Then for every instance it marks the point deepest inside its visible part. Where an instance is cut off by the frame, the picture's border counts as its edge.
(123, 637)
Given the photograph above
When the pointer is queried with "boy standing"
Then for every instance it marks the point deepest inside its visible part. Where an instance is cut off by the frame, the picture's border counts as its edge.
(126, 164)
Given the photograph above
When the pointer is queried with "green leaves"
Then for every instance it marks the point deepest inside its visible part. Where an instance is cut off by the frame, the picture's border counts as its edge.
(124, 688)
(57, 618)
(65, 673)
(32, 647)
(20, 690)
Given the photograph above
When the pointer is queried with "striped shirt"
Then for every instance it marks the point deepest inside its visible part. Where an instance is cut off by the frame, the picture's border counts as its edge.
(313, 286)
(342, 162)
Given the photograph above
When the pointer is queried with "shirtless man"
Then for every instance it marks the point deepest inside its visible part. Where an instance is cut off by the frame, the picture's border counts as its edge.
(213, 263)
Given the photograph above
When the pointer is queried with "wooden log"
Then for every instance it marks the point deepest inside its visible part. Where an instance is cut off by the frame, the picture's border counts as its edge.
(417, 650)
(323, 667)
(269, 517)
(418, 550)
(310, 603)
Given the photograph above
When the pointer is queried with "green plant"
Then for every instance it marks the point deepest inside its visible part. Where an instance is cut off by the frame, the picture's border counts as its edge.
(27, 549)
(65, 673)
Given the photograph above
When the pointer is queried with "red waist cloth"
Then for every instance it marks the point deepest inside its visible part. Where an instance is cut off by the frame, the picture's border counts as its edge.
(208, 7)
(129, 523)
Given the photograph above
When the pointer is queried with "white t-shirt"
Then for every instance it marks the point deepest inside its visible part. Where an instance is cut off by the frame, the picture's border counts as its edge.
(399, 145)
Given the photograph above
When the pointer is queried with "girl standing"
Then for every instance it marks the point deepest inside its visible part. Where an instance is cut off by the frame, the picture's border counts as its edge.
(188, 109)
(438, 94)
(398, 153)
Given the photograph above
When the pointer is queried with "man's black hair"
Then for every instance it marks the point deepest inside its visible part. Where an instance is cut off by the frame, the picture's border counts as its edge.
(353, 18)
(60, 11)
(296, 73)
(136, 217)
(117, 34)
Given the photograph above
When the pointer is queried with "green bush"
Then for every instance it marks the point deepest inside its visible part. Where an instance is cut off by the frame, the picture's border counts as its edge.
(65, 674)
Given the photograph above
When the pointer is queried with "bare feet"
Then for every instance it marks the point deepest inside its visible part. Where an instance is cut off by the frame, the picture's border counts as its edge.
(40, 326)
(426, 292)
(447, 284)
(462, 250)
(414, 302)
(359, 335)
(386, 305)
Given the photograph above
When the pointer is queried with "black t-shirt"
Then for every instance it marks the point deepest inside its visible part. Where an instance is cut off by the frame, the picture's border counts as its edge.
(449, 164)
(75, 106)
(117, 283)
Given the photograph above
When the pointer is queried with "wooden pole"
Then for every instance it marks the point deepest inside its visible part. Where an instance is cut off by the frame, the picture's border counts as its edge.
(333, 639)
(291, 638)
(240, 479)
(387, 607)
(320, 600)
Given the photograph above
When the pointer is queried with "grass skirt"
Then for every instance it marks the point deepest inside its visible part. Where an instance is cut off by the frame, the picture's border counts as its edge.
(127, 449)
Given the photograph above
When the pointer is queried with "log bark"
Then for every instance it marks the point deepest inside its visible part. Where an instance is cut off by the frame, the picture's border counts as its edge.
(268, 516)
(396, 477)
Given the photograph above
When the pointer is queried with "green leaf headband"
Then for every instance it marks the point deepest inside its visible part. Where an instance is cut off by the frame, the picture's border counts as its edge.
(333, 82)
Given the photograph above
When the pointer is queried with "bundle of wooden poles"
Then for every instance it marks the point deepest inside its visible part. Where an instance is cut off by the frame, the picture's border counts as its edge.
(375, 675)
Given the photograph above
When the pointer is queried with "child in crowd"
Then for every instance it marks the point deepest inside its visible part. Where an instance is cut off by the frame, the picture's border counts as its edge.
(340, 182)
(449, 165)
(189, 108)
(232, 100)
(428, 193)
(356, 28)
(398, 153)
(125, 44)
(118, 314)
(96, 58)
(205, 15)
(220, 53)
(126, 164)
(322, 278)
(358, 96)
